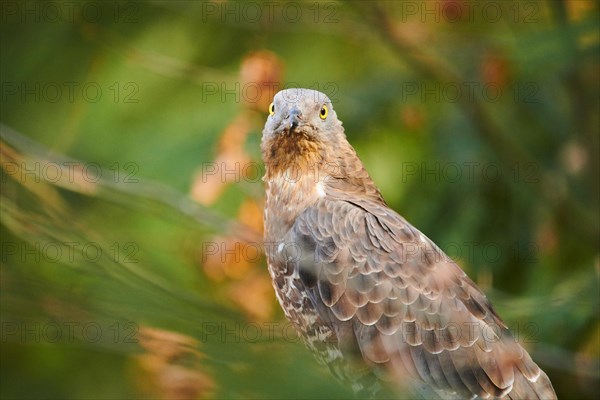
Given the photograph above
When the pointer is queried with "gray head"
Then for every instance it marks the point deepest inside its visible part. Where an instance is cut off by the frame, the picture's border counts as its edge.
(302, 111)
(303, 134)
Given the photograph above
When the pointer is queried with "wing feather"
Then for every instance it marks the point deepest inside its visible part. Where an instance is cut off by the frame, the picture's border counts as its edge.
(408, 307)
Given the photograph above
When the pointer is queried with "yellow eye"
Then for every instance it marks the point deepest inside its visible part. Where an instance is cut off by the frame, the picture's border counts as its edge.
(324, 111)
(272, 109)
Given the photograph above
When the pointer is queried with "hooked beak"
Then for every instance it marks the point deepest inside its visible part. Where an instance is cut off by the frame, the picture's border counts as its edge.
(295, 118)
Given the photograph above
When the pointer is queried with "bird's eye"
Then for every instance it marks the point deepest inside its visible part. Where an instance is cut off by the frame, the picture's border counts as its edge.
(272, 109)
(324, 111)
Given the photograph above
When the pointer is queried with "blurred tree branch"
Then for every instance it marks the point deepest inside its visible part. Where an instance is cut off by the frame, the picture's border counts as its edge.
(144, 195)
(508, 150)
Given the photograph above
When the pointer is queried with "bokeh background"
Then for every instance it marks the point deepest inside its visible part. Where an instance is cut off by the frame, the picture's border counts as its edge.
(131, 215)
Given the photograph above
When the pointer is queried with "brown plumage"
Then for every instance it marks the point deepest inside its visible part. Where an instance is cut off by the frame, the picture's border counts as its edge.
(374, 298)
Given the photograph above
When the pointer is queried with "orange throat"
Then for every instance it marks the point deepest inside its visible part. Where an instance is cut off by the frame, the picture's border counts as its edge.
(293, 179)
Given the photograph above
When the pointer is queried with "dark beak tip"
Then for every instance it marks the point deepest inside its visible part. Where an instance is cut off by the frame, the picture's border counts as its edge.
(295, 118)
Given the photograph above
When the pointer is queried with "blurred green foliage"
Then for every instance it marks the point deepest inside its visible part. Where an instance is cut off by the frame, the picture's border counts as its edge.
(478, 120)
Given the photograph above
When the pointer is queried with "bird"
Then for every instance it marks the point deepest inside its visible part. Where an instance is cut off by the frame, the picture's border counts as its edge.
(375, 300)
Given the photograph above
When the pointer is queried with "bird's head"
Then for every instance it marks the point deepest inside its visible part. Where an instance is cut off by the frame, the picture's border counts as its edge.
(301, 124)
(304, 142)
(301, 111)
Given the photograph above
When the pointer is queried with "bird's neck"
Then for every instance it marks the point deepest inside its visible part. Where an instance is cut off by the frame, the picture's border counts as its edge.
(294, 180)
(301, 171)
